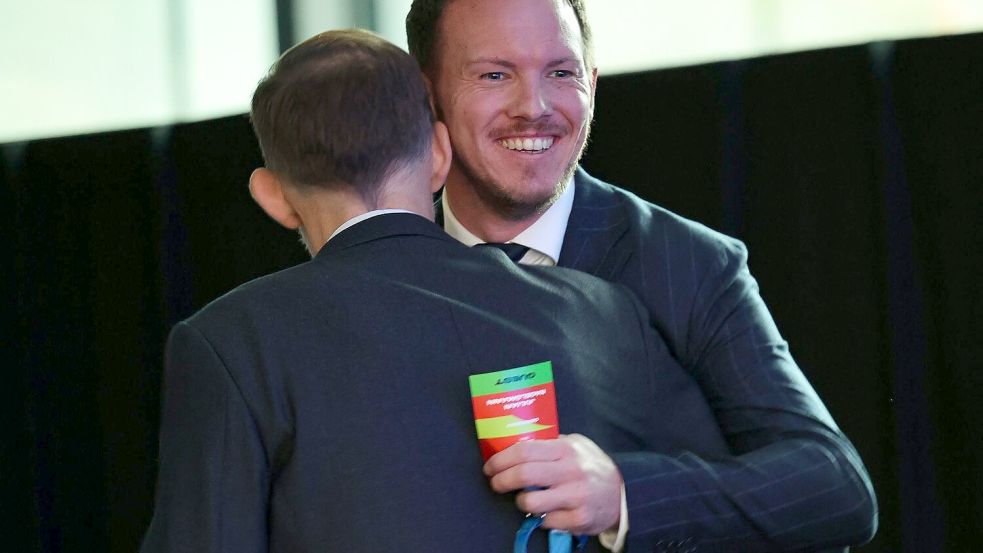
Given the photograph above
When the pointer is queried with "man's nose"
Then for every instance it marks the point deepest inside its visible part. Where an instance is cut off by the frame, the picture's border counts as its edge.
(531, 100)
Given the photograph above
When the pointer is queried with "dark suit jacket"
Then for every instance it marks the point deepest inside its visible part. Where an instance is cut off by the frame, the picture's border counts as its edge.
(795, 482)
(326, 407)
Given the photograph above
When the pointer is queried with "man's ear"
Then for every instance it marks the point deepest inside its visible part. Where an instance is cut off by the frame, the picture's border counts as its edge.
(430, 93)
(441, 146)
(267, 189)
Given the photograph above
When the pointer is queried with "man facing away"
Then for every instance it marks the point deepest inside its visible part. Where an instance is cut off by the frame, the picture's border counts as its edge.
(326, 407)
(514, 81)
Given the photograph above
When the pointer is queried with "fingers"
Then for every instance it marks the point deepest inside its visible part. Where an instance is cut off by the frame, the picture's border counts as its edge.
(575, 521)
(530, 475)
(567, 508)
(578, 485)
(532, 464)
(526, 452)
(559, 498)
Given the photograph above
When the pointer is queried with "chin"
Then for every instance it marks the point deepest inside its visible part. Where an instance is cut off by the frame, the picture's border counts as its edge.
(529, 200)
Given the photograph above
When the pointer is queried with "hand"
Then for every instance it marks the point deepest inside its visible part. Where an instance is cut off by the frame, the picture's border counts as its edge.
(583, 485)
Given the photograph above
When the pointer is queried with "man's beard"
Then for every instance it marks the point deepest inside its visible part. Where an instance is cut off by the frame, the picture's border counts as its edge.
(497, 197)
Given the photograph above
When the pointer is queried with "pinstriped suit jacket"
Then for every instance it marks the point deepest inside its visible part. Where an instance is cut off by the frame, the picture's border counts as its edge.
(794, 482)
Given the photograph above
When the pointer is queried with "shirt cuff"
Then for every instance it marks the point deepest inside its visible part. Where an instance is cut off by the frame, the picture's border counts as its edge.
(615, 539)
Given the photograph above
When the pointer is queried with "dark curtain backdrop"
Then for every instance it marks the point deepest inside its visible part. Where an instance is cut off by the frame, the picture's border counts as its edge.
(853, 175)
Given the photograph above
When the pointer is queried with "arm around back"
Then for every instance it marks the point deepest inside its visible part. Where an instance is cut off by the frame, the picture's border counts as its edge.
(793, 480)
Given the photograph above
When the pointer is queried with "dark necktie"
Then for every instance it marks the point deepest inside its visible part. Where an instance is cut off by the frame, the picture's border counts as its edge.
(514, 251)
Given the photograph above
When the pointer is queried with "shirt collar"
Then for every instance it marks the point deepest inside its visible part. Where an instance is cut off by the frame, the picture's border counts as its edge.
(367, 215)
(544, 236)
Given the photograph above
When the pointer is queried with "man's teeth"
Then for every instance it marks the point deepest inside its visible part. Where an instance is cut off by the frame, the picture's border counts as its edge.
(527, 144)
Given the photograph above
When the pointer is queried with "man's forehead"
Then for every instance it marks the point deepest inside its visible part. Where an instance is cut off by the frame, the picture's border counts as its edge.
(510, 64)
(496, 13)
(510, 29)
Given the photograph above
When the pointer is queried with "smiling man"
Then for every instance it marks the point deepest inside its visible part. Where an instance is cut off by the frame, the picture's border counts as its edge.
(518, 100)
(514, 82)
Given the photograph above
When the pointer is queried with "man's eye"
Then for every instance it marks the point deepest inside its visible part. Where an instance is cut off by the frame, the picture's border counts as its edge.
(493, 76)
(563, 74)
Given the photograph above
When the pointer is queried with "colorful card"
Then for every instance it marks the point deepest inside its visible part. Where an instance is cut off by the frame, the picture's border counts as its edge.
(514, 405)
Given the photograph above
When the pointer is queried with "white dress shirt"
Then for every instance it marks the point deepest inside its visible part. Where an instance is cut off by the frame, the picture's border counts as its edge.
(544, 238)
(367, 215)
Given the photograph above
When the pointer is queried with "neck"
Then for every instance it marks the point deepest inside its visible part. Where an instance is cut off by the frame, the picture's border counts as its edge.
(322, 211)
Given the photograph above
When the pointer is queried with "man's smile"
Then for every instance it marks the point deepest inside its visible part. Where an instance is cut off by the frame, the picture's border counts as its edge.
(527, 144)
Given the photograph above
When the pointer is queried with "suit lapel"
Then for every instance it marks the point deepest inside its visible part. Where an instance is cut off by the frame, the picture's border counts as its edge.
(595, 238)
(595, 231)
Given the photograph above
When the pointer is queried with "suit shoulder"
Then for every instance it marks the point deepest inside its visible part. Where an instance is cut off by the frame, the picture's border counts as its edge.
(266, 294)
(580, 288)
(655, 226)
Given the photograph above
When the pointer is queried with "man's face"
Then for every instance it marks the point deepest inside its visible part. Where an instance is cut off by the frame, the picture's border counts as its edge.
(511, 84)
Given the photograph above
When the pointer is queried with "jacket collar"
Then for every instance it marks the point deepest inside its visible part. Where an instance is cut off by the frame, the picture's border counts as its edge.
(380, 227)
(597, 227)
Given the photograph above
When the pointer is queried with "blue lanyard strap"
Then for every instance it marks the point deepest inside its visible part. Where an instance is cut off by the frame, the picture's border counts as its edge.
(559, 541)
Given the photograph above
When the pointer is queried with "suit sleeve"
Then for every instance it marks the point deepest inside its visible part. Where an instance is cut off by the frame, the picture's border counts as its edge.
(213, 480)
(793, 482)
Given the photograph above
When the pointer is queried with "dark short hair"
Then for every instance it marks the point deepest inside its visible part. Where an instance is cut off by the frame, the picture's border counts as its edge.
(424, 17)
(342, 108)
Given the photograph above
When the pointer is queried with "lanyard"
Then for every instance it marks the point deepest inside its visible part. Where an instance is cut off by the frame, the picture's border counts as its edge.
(559, 541)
